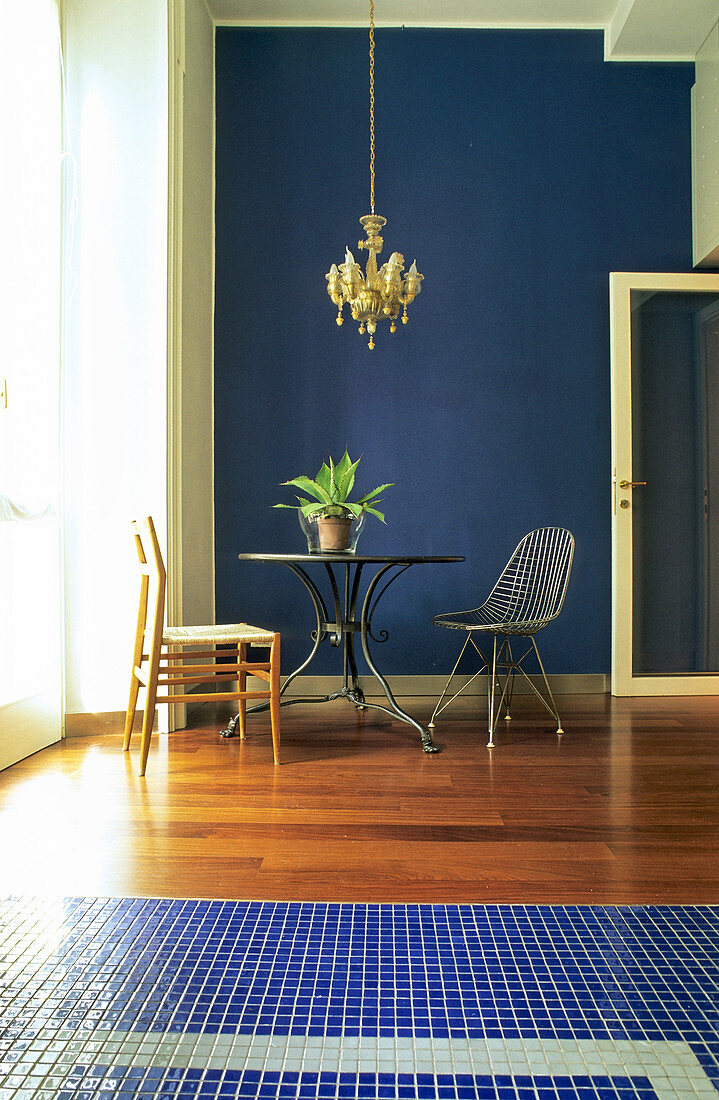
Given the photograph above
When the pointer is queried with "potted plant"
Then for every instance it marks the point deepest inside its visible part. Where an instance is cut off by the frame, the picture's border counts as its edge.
(330, 520)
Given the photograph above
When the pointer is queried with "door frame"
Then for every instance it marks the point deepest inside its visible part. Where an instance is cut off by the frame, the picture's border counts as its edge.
(623, 682)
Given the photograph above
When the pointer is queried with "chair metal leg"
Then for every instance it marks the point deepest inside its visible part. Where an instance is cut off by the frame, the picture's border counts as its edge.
(548, 703)
(502, 661)
(500, 683)
(439, 708)
(491, 690)
(554, 711)
(510, 681)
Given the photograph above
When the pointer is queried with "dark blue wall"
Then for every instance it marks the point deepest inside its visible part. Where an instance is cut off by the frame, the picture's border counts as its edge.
(520, 169)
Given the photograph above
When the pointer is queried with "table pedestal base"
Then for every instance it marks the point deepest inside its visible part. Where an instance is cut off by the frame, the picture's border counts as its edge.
(361, 703)
(341, 632)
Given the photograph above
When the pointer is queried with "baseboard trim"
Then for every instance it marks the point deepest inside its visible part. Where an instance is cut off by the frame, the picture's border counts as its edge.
(88, 724)
(562, 684)
(84, 725)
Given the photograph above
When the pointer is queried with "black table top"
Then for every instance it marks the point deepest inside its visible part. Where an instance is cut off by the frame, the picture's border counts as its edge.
(348, 559)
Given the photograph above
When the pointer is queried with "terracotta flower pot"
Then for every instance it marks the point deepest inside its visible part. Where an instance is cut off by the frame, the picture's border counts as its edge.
(334, 533)
(331, 534)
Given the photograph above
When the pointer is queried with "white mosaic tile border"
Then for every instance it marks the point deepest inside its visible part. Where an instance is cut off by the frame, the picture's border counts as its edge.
(671, 1067)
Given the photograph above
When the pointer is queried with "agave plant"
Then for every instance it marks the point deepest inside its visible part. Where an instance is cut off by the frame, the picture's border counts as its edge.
(330, 490)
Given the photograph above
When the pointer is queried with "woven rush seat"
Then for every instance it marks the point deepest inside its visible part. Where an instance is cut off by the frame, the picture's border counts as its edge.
(224, 634)
(189, 660)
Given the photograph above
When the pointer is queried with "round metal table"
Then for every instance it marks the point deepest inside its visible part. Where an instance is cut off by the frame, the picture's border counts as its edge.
(352, 616)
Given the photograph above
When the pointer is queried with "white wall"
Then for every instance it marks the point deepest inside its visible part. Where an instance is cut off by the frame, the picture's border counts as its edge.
(115, 361)
(705, 153)
(195, 506)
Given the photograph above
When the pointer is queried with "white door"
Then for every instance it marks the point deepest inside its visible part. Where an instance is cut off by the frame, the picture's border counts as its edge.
(30, 580)
(30, 632)
(665, 484)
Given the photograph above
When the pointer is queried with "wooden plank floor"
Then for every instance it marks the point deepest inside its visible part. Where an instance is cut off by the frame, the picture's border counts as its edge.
(622, 809)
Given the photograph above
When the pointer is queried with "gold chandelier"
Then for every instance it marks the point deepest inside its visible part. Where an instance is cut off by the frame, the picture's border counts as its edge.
(378, 294)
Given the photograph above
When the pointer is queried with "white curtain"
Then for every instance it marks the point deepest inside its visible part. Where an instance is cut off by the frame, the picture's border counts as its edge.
(30, 194)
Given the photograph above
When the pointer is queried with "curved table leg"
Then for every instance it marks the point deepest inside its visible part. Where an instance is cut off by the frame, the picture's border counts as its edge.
(342, 635)
(346, 625)
(318, 634)
(354, 693)
(368, 609)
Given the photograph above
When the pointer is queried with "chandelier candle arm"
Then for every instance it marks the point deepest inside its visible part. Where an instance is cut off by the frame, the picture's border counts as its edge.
(376, 295)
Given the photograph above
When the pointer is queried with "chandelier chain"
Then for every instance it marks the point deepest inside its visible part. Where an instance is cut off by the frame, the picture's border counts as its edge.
(380, 293)
(371, 104)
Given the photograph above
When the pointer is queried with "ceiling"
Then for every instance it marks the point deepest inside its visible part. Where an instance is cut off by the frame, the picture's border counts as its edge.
(634, 30)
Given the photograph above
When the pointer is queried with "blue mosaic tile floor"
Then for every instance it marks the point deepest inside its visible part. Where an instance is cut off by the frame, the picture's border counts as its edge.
(157, 998)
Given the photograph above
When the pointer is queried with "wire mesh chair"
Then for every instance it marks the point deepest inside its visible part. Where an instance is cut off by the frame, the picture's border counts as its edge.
(528, 595)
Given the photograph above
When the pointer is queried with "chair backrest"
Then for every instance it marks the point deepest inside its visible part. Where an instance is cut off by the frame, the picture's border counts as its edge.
(152, 569)
(534, 582)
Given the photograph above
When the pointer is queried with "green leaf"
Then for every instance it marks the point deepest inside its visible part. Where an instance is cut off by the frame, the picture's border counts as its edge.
(324, 477)
(342, 467)
(312, 488)
(376, 492)
(302, 502)
(309, 509)
(332, 487)
(348, 479)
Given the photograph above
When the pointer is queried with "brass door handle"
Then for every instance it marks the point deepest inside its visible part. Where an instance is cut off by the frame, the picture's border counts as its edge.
(630, 484)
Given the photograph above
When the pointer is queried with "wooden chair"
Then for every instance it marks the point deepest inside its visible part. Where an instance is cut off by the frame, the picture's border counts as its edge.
(159, 660)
